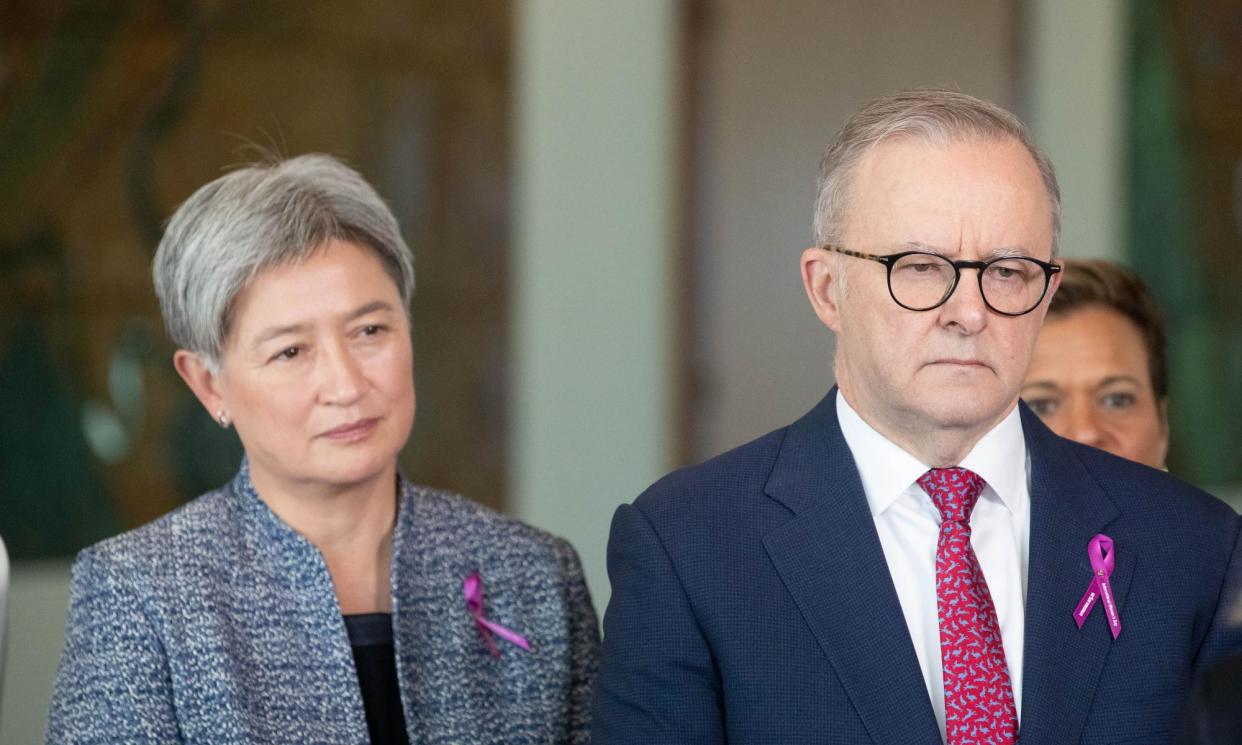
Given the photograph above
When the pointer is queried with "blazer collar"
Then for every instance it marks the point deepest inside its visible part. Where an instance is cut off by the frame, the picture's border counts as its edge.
(830, 559)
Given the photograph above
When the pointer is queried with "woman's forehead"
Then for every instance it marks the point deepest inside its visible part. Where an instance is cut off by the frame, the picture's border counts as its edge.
(338, 282)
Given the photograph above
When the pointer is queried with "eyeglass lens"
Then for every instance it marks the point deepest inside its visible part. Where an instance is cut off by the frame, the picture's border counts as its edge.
(923, 281)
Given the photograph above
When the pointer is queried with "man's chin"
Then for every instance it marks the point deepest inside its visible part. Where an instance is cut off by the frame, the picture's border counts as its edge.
(965, 409)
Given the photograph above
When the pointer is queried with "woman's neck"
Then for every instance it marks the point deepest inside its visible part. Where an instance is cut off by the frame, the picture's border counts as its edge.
(351, 525)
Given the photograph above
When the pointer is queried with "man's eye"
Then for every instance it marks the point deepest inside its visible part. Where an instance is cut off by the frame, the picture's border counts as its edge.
(372, 329)
(287, 353)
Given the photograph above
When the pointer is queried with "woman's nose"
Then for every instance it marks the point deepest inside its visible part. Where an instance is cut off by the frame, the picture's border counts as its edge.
(1084, 426)
(342, 381)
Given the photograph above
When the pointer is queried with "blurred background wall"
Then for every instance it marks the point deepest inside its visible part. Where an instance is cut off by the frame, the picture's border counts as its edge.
(606, 200)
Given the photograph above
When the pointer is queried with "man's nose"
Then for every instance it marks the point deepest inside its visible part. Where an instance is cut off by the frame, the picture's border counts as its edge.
(966, 308)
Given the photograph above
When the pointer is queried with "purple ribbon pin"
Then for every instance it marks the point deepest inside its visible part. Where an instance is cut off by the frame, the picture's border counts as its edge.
(1100, 551)
(474, 603)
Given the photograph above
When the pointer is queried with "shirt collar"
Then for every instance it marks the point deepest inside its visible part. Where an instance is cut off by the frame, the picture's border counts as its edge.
(887, 471)
(1000, 459)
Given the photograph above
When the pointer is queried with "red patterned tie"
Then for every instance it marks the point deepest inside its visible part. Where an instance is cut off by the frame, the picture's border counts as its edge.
(978, 700)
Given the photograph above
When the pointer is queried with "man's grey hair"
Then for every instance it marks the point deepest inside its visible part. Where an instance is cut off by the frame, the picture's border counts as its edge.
(260, 216)
(938, 116)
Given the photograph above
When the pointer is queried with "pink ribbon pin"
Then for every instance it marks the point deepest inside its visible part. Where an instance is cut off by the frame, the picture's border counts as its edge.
(1100, 551)
(474, 603)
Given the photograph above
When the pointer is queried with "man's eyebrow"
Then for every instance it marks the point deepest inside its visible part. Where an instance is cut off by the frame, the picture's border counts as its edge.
(1002, 252)
(1009, 252)
(1045, 384)
(916, 246)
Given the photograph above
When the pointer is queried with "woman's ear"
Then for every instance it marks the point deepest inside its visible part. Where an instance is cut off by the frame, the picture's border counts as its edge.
(821, 279)
(204, 382)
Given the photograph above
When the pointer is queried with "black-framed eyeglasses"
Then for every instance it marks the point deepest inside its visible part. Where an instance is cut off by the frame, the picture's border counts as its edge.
(920, 280)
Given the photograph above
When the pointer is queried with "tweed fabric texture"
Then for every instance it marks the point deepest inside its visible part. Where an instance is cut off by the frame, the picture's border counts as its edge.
(978, 697)
(218, 623)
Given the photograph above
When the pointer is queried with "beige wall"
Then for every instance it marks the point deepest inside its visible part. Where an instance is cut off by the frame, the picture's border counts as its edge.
(38, 599)
(592, 310)
(781, 77)
(1077, 95)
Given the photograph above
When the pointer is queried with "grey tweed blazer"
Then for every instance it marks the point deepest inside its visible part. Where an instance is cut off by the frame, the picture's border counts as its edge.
(218, 623)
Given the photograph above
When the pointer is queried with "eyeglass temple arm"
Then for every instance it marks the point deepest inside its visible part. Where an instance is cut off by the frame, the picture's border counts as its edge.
(856, 254)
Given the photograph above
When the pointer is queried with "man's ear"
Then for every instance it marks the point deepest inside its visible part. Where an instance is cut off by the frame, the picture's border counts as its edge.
(821, 280)
(202, 381)
(1055, 283)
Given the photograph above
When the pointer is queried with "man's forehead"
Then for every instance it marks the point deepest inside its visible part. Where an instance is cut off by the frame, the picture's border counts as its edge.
(953, 162)
(949, 143)
(913, 193)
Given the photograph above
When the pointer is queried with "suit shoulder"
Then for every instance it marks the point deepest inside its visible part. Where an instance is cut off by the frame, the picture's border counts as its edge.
(477, 526)
(142, 563)
(1136, 487)
(150, 546)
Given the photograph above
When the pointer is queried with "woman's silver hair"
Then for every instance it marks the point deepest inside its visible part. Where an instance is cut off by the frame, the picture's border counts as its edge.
(257, 217)
(935, 115)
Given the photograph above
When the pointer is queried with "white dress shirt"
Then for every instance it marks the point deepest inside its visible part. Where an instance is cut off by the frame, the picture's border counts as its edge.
(909, 525)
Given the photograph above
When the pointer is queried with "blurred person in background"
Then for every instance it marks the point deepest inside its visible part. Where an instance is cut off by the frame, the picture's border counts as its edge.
(1214, 713)
(1099, 373)
(319, 597)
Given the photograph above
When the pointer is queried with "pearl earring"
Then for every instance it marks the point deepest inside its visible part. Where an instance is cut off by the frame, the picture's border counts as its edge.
(222, 418)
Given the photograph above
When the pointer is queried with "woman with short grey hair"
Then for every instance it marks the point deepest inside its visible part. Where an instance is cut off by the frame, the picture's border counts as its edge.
(319, 597)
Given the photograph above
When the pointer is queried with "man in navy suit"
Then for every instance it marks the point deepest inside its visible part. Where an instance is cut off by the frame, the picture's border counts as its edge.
(918, 559)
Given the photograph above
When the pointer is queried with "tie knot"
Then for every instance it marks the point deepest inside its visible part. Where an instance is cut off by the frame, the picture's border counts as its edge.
(954, 491)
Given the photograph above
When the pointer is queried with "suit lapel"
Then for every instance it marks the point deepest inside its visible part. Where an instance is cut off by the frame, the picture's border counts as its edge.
(1062, 662)
(830, 559)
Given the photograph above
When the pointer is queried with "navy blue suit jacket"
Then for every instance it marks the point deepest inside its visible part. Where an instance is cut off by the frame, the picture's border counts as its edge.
(751, 602)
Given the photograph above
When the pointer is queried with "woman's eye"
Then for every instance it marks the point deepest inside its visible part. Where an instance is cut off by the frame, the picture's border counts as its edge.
(1118, 400)
(287, 353)
(1043, 407)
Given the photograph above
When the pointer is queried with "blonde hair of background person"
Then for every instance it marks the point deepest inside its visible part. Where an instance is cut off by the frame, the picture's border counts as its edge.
(1099, 373)
(320, 597)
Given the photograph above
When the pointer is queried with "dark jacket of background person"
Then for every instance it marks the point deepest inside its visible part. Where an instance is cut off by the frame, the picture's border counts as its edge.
(1214, 712)
(219, 623)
